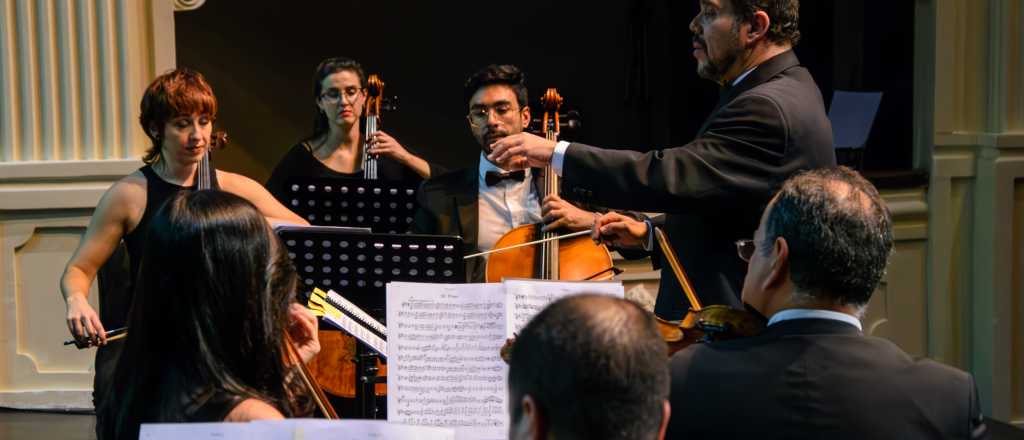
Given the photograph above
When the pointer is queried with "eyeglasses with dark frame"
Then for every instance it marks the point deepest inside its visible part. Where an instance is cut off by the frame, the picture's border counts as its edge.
(745, 249)
(332, 96)
(478, 116)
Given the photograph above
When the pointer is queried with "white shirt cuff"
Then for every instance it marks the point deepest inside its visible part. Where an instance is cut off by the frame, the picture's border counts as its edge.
(558, 157)
(649, 245)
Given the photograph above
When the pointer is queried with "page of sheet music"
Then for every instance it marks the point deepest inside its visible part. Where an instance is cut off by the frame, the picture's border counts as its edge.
(444, 366)
(529, 297)
(319, 429)
(200, 431)
(292, 429)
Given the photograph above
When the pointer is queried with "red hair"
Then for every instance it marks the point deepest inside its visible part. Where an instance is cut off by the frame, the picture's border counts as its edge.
(181, 91)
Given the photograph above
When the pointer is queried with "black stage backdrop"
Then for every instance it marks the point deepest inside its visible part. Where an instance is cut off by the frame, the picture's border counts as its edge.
(625, 66)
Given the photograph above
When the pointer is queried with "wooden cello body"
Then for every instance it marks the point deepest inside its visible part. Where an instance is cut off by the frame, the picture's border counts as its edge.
(575, 259)
(586, 260)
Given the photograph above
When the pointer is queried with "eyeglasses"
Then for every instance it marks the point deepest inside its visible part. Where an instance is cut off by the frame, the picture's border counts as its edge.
(331, 96)
(745, 249)
(478, 116)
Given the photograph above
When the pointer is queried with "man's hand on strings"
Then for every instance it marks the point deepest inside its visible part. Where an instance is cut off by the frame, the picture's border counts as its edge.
(302, 327)
(83, 322)
(521, 150)
(559, 213)
(620, 230)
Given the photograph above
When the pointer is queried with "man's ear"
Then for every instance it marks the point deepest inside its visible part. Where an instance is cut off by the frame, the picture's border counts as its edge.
(666, 413)
(526, 117)
(779, 272)
(536, 425)
(757, 27)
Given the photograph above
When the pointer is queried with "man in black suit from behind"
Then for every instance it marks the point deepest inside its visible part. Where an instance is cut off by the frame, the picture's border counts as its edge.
(818, 254)
(589, 367)
(769, 123)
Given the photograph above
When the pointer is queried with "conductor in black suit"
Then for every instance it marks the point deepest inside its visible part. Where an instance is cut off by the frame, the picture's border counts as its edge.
(818, 254)
(769, 123)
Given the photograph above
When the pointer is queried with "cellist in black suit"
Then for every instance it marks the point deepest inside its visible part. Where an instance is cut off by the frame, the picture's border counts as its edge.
(483, 202)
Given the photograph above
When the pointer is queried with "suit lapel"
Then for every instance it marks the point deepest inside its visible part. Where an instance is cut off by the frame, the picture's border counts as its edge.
(465, 202)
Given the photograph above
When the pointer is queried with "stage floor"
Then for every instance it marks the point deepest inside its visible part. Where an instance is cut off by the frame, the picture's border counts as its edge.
(33, 425)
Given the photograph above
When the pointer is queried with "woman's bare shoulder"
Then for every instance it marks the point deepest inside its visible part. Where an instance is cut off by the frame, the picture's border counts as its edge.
(253, 409)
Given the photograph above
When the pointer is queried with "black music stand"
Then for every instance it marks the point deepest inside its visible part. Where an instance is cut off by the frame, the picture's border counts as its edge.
(358, 265)
(383, 206)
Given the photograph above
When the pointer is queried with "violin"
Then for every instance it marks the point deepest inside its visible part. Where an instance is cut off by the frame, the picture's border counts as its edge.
(309, 381)
(529, 252)
(701, 324)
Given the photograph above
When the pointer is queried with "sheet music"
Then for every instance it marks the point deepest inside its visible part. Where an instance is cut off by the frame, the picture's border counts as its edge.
(292, 429)
(356, 329)
(320, 429)
(200, 431)
(528, 297)
(350, 307)
(444, 367)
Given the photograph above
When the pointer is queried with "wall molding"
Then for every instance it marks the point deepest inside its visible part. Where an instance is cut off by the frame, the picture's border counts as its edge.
(187, 5)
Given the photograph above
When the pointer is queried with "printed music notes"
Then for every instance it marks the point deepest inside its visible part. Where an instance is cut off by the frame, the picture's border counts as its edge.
(444, 367)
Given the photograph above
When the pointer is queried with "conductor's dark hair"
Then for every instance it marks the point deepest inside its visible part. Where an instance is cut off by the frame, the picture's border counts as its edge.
(783, 14)
(596, 367)
(208, 316)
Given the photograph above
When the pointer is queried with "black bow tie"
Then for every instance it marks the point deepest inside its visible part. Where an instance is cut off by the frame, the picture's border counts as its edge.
(493, 177)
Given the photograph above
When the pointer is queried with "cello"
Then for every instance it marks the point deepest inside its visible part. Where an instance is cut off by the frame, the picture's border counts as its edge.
(529, 252)
(334, 367)
(371, 122)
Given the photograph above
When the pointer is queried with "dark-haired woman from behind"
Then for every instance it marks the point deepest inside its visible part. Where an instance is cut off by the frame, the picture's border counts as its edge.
(207, 340)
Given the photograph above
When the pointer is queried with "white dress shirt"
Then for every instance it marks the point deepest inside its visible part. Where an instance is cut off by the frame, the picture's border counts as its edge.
(789, 314)
(504, 206)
